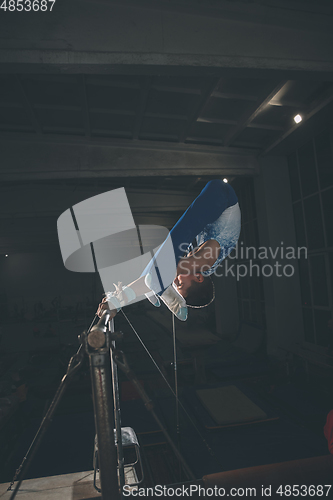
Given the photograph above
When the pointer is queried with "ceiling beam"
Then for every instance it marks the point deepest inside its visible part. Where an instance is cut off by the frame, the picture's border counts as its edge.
(63, 140)
(57, 107)
(287, 104)
(108, 111)
(166, 116)
(315, 107)
(102, 132)
(255, 146)
(63, 130)
(252, 112)
(28, 107)
(84, 104)
(50, 201)
(67, 160)
(54, 214)
(171, 36)
(237, 97)
(199, 107)
(265, 126)
(211, 140)
(142, 105)
(270, 12)
(153, 136)
(220, 121)
(117, 83)
(55, 61)
(179, 90)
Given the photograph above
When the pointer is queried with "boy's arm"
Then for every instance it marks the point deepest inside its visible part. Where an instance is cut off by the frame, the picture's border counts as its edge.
(138, 286)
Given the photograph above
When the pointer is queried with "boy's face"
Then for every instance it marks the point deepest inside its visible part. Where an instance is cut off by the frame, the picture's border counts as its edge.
(183, 283)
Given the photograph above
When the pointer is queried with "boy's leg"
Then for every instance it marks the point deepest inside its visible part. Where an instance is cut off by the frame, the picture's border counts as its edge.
(216, 197)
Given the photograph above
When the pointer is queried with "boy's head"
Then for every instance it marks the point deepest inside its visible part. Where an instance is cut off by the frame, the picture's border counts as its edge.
(197, 289)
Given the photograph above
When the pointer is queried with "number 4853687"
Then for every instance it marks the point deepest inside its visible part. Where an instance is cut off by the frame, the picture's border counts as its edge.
(27, 5)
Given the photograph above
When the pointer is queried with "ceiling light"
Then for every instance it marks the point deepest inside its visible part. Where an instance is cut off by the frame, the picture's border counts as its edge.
(6, 255)
(225, 180)
(297, 118)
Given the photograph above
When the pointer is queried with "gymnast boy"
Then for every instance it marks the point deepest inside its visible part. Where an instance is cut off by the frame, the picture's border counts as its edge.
(213, 220)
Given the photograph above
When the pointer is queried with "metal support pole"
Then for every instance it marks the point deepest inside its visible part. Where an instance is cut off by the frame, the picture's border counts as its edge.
(176, 374)
(117, 414)
(102, 397)
(176, 387)
(98, 348)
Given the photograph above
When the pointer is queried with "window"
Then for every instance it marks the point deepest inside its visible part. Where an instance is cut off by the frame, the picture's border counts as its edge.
(311, 182)
(250, 290)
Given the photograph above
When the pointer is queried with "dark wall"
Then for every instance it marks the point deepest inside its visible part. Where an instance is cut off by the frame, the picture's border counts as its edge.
(33, 278)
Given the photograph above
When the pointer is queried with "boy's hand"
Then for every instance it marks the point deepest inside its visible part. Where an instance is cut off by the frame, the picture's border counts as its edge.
(103, 306)
(120, 294)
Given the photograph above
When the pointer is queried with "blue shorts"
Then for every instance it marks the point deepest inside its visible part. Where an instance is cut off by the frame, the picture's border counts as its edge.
(214, 214)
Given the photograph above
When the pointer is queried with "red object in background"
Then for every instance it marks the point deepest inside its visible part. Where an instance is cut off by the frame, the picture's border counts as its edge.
(328, 431)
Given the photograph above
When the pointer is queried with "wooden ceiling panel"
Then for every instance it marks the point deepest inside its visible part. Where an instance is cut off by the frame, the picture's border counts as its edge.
(191, 110)
(112, 98)
(245, 87)
(279, 116)
(103, 121)
(51, 92)
(60, 118)
(122, 81)
(257, 136)
(228, 109)
(14, 116)
(207, 130)
(178, 83)
(8, 89)
(301, 91)
(166, 126)
(172, 103)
